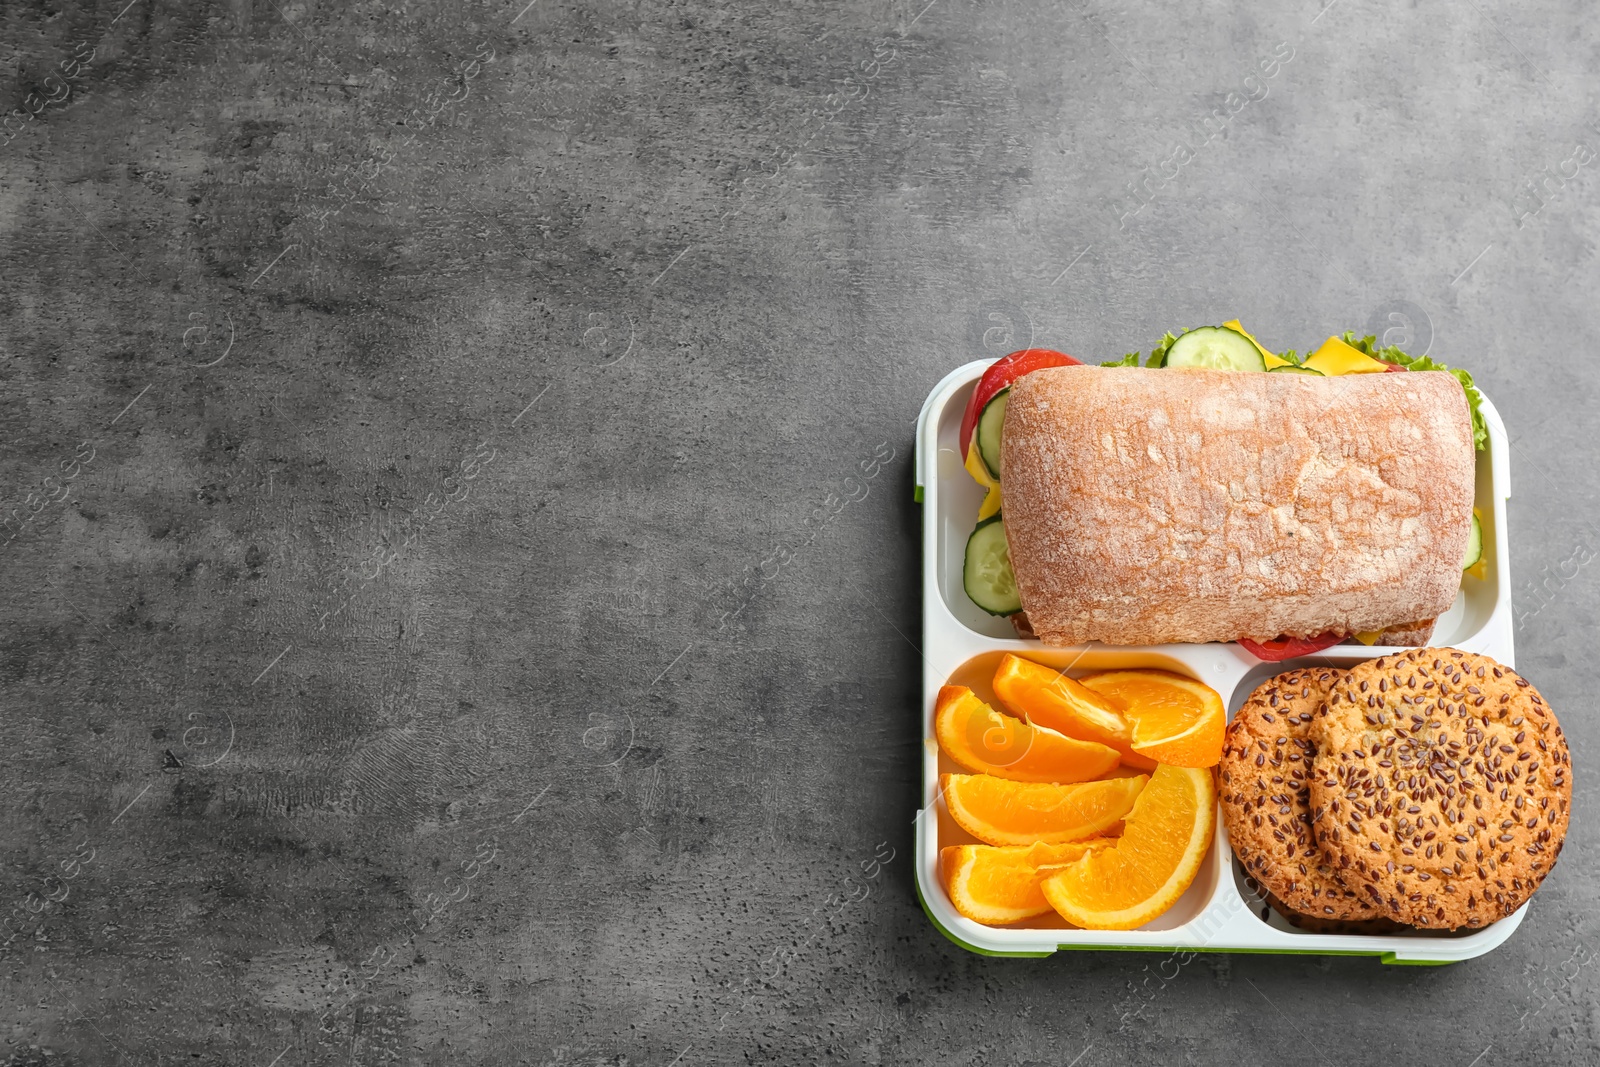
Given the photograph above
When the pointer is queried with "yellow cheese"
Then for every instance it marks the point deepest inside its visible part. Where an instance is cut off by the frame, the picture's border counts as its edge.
(1271, 360)
(1335, 357)
(1369, 637)
(980, 474)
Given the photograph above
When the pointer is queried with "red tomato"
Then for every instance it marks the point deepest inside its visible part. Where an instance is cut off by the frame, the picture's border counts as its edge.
(1392, 367)
(1000, 376)
(1282, 648)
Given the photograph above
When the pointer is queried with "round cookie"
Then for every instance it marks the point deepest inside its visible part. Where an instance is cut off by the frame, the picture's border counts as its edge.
(1443, 786)
(1311, 924)
(1262, 783)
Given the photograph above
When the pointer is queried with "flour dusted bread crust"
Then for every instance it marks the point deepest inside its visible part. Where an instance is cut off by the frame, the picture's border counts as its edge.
(1145, 506)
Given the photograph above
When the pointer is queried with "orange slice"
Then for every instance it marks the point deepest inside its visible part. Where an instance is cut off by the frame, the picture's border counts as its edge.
(1049, 698)
(998, 885)
(998, 812)
(981, 739)
(1158, 855)
(1176, 720)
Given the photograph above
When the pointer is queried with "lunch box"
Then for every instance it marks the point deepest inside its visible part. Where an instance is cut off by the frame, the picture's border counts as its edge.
(1219, 912)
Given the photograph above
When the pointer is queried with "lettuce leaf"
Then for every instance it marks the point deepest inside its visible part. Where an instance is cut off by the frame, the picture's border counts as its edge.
(1158, 354)
(1392, 354)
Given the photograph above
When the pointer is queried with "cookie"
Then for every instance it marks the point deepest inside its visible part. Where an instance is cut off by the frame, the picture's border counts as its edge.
(1312, 924)
(1442, 786)
(1262, 782)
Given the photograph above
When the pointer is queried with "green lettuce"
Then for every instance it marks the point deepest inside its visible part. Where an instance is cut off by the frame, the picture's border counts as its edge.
(1158, 354)
(1391, 354)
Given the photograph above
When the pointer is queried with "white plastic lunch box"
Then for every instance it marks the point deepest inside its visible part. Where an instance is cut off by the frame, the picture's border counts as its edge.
(1218, 913)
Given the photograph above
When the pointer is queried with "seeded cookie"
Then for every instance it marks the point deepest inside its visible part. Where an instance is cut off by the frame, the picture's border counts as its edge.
(1262, 780)
(1442, 786)
(1312, 924)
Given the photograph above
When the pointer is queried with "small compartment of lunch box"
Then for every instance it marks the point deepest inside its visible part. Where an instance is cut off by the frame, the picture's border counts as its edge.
(977, 674)
(1342, 657)
(951, 509)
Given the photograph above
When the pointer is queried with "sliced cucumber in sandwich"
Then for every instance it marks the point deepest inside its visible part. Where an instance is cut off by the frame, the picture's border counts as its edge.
(1292, 369)
(1474, 544)
(989, 426)
(986, 570)
(1216, 348)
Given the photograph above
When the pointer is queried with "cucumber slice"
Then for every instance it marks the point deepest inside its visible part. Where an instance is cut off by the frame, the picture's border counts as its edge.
(986, 570)
(1474, 544)
(1297, 370)
(1216, 347)
(990, 424)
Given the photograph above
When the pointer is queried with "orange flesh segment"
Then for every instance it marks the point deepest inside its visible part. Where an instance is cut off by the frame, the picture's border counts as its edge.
(1048, 698)
(1001, 812)
(1000, 884)
(981, 739)
(1176, 720)
(1167, 835)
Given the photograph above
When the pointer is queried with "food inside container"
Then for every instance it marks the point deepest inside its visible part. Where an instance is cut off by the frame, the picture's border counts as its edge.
(1204, 496)
(1121, 874)
(1428, 789)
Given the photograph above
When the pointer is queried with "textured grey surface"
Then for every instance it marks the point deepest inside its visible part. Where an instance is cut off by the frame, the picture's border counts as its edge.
(357, 712)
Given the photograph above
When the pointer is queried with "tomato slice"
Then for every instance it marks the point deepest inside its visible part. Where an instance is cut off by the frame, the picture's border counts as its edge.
(1000, 376)
(1282, 648)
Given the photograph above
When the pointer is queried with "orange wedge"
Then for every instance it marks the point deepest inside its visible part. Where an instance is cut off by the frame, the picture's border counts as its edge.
(981, 739)
(1048, 698)
(999, 812)
(1166, 836)
(997, 885)
(1176, 720)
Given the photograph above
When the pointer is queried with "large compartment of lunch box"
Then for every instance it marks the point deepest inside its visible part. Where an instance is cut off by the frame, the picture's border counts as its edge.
(1219, 912)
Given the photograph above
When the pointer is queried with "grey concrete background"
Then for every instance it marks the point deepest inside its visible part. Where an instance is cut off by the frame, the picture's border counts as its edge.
(357, 711)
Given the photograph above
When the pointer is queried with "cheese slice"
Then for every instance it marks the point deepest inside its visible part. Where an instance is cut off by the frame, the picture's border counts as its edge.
(980, 474)
(1335, 357)
(1271, 360)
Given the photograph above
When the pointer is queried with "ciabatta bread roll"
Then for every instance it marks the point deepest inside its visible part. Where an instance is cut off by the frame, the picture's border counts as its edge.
(1146, 506)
